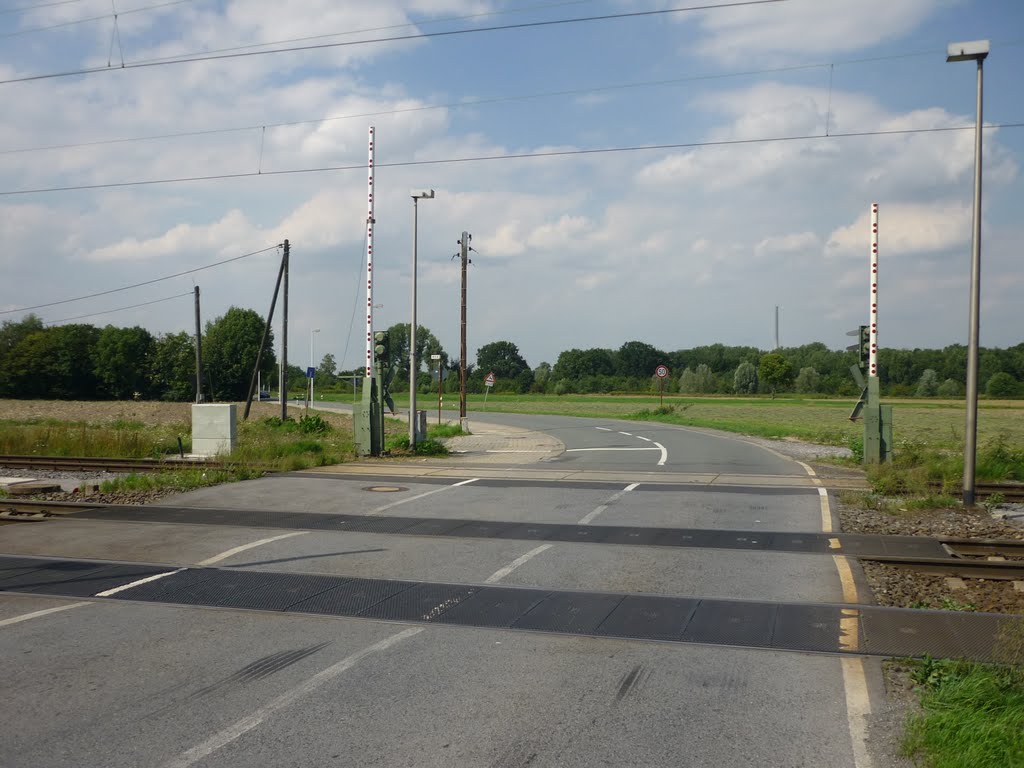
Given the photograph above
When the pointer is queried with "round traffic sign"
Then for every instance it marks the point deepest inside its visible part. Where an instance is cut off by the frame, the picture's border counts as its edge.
(661, 371)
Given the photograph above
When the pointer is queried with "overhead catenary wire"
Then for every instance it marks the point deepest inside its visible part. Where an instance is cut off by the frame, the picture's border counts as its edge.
(138, 285)
(23, 8)
(511, 156)
(89, 19)
(118, 309)
(395, 38)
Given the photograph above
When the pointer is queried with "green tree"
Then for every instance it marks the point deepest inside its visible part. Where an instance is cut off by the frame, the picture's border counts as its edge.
(1002, 385)
(56, 363)
(928, 384)
(230, 346)
(325, 372)
(807, 381)
(501, 357)
(775, 372)
(697, 381)
(637, 359)
(427, 344)
(744, 381)
(541, 375)
(172, 367)
(11, 334)
(122, 361)
(950, 388)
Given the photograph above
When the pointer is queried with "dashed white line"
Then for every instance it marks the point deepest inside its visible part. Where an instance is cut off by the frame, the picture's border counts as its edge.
(645, 439)
(627, 434)
(588, 518)
(252, 545)
(501, 573)
(246, 724)
(115, 590)
(604, 429)
(37, 614)
(394, 504)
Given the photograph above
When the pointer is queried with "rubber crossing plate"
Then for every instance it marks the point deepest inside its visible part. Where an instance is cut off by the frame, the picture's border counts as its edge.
(769, 541)
(869, 630)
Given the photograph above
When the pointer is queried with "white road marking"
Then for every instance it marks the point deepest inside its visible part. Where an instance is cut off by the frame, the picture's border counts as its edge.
(664, 454)
(394, 504)
(246, 724)
(575, 450)
(115, 590)
(37, 614)
(604, 429)
(858, 708)
(252, 545)
(501, 573)
(588, 518)
(627, 434)
(826, 513)
(645, 439)
(855, 684)
(536, 450)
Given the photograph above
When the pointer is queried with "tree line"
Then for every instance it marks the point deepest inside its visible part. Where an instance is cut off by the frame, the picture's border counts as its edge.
(85, 362)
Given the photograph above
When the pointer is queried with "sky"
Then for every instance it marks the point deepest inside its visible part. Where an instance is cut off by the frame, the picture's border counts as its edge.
(735, 186)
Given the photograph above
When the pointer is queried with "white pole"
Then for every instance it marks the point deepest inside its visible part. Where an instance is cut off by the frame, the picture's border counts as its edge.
(412, 329)
(369, 261)
(873, 329)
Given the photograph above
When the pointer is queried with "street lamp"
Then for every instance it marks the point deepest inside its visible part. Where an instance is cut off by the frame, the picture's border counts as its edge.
(417, 195)
(312, 362)
(976, 50)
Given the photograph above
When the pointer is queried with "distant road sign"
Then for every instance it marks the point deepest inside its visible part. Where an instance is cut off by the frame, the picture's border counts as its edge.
(310, 372)
(661, 371)
(435, 357)
(489, 379)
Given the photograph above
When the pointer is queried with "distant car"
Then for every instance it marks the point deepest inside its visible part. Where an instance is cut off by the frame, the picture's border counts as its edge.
(264, 395)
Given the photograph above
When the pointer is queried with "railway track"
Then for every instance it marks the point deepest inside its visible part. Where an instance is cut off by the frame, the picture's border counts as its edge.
(87, 464)
(997, 559)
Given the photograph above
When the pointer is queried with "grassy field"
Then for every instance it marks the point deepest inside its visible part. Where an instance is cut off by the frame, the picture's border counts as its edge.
(933, 423)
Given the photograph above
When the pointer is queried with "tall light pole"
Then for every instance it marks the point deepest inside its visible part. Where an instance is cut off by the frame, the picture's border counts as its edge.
(312, 362)
(422, 194)
(976, 50)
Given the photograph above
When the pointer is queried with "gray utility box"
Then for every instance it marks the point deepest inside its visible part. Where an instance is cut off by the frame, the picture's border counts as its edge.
(214, 429)
(421, 426)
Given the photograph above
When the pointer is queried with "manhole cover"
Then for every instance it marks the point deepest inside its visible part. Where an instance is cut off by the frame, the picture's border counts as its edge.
(384, 488)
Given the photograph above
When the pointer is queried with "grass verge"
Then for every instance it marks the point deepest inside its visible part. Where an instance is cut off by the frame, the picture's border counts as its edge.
(972, 716)
(121, 438)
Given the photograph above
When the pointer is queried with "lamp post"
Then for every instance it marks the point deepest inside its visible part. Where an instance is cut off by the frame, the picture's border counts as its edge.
(422, 194)
(976, 50)
(312, 362)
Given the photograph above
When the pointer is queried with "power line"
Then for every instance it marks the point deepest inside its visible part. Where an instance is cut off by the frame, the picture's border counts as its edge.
(38, 5)
(427, 107)
(76, 22)
(516, 156)
(119, 309)
(138, 285)
(422, 22)
(395, 38)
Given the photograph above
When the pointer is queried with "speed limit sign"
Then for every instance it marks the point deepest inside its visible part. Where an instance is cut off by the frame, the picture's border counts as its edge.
(661, 371)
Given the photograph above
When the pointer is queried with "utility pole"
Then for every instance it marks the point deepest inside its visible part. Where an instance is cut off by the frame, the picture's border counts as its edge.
(284, 336)
(776, 326)
(199, 350)
(464, 242)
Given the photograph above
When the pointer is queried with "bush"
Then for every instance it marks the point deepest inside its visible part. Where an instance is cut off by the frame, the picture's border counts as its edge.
(928, 385)
(951, 388)
(313, 424)
(744, 380)
(1002, 385)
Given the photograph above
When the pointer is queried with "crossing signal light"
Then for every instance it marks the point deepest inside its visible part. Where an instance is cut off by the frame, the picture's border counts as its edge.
(862, 347)
(382, 348)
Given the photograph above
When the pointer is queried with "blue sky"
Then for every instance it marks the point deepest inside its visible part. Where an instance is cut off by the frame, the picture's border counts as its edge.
(676, 247)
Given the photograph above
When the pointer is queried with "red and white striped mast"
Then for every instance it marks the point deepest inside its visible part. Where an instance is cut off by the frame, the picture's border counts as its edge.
(873, 327)
(369, 263)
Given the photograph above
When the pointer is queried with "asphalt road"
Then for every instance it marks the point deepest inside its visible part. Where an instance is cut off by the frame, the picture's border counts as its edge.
(121, 683)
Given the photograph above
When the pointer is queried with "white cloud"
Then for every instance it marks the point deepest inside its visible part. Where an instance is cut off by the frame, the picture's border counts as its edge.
(906, 229)
(800, 27)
